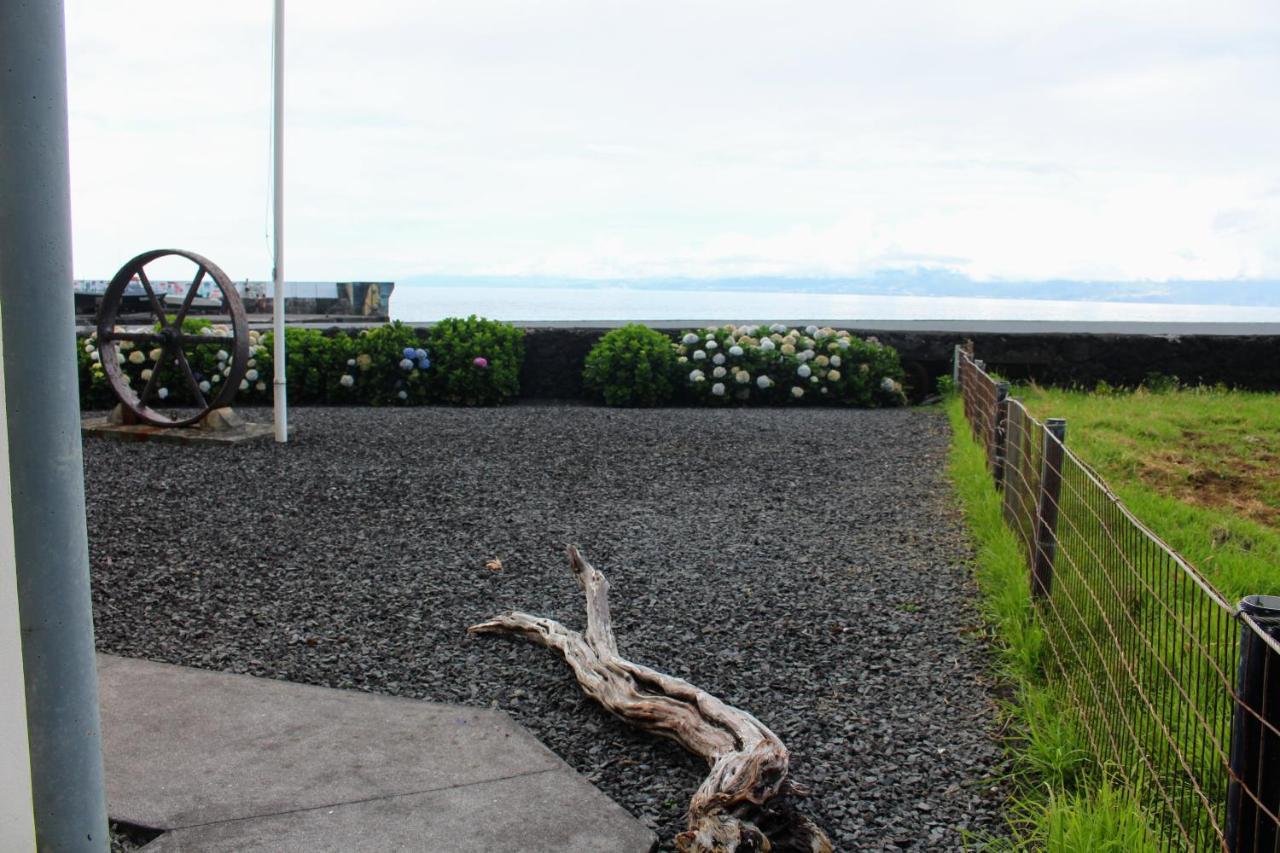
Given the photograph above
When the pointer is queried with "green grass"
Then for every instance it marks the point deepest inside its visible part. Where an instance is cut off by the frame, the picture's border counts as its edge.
(1199, 466)
(1063, 800)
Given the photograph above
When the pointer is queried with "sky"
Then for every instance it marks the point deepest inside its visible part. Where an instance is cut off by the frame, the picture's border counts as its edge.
(1118, 140)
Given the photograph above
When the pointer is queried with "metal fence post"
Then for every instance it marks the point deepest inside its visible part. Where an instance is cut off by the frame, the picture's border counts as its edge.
(1255, 748)
(1046, 541)
(1000, 439)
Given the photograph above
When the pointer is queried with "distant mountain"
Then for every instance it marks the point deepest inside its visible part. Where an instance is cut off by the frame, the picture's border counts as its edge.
(919, 282)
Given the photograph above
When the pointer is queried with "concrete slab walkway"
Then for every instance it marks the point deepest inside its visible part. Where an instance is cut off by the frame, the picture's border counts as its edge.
(225, 762)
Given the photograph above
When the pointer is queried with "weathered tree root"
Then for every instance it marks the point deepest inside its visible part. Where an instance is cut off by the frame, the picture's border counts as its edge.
(747, 803)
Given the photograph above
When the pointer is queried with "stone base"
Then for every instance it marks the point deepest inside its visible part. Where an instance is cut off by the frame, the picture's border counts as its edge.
(220, 426)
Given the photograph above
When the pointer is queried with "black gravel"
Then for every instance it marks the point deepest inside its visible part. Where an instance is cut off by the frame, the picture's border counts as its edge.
(805, 565)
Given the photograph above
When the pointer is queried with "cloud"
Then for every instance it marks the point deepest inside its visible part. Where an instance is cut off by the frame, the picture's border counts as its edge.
(1000, 140)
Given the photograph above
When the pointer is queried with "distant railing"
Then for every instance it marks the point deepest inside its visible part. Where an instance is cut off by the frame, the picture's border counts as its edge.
(1177, 690)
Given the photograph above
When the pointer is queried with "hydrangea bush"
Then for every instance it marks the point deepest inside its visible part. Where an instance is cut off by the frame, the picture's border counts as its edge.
(632, 366)
(389, 365)
(779, 365)
(210, 364)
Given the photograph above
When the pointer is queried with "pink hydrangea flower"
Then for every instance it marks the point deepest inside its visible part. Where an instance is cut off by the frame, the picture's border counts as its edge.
(481, 361)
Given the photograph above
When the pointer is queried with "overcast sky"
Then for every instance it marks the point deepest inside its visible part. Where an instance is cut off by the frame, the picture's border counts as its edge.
(1025, 140)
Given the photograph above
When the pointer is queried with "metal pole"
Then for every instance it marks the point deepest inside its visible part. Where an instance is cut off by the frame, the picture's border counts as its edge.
(1046, 541)
(1255, 749)
(955, 367)
(280, 391)
(43, 413)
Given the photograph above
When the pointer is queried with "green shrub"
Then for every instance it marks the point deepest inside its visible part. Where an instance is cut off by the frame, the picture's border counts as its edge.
(753, 364)
(632, 366)
(477, 361)
(469, 361)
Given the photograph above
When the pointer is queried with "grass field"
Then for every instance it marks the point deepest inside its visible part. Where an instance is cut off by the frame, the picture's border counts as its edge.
(1201, 467)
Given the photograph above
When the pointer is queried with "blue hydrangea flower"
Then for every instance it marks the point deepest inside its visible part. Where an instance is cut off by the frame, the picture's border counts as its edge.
(419, 353)
(409, 352)
(406, 364)
(423, 362)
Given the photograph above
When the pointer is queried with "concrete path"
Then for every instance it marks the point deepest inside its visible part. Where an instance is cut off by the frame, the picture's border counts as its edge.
(230, 763)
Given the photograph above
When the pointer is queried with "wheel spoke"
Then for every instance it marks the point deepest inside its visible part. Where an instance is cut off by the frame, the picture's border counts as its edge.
(135, 337)
(191, 378)
(156, 307)
(154, 380)
(196, 340)
(189, 298)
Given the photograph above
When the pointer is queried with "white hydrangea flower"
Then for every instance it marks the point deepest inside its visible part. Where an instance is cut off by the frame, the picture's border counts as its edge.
(244, 384)
(95, 356)
(222, 355)
(718, 358)
(88, 347)
(797, 391)
(126, 345)
(253, 362)
(735, 350)
(699, 355)
(835, 361)
(251, 375)
(788, 349)
(718, 389)
(403, 395)
(216, 379)
(347, 380)
(833, 376)
(205, 386)
(719, 372)
(155, 354)
(684, 359)
(697, 376)
(777, 328)
(136, 357)
(207, 330)
(689, 339)
(351, 362)
(146, 375)
(406, 364)
(764, 382)
(742, 377)
(261, 386)
(711, 343)
(808, 354)
(803, 371)
(811, 330)
(767, 345)
(843, 343)
(162, 393)
(813, 379)
(888, 385)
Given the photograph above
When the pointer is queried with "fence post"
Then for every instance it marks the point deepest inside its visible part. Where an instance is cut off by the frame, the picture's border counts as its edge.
(1000, 438)
(955, 367)
(1046, 541)
(1255, 756)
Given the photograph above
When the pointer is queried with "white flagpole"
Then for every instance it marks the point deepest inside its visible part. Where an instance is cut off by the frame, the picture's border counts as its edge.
(277, 184)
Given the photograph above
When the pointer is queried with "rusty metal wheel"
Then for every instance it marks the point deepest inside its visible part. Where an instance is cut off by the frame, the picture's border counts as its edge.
(176, 346)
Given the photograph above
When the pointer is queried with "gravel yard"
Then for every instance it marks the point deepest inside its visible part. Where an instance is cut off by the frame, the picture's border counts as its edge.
(804, 565)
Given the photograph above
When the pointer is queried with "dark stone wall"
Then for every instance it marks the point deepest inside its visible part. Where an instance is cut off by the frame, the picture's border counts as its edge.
(555, 356)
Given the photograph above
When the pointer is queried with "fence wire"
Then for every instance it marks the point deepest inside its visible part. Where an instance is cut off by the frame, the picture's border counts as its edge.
(1174, 689)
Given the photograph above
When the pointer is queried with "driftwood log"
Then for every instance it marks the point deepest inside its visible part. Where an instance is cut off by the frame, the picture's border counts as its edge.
(747, 802)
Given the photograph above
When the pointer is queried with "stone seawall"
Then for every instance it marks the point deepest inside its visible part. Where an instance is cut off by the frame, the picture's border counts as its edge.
(1243, 356)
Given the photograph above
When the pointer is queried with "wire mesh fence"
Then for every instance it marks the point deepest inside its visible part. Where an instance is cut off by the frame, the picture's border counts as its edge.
(1177, 690)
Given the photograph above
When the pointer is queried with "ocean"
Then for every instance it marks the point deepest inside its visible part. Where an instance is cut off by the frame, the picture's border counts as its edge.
(427, 302)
